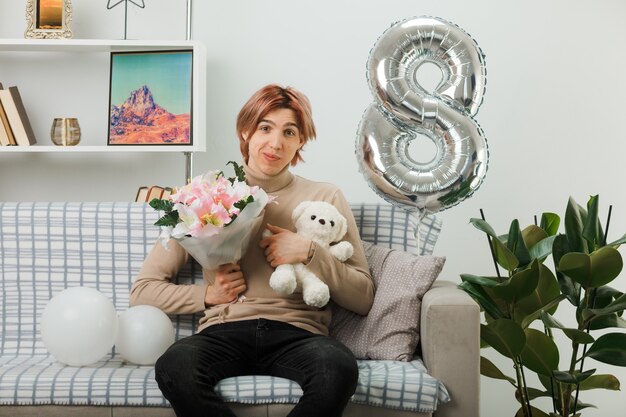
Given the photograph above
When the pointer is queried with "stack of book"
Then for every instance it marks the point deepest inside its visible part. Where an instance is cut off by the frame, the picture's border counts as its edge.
(146, 194)
(15, 128)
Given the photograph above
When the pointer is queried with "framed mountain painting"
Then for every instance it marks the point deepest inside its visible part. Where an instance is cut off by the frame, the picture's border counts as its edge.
(150, 98)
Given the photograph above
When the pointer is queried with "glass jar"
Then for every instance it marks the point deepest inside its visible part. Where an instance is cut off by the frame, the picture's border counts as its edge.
(65, 131)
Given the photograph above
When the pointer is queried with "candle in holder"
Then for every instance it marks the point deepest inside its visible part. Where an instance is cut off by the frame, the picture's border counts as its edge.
(65, 131)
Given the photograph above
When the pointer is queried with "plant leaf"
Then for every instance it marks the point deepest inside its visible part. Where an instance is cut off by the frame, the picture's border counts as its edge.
(608, 321)
(535, 411)
(569, 287)
(603, 381)
(478, 280)
(520, 285)
(488, 369)
(592, 230)
(483, 299)
(540, 354)
(618, 242)
(483, 226)
(575, 378)
(609, 348)
(532, 235)
(575, 217)
(536, 314)
(505, 258)
(615, 307)
(542, 298)
(515, 243)
(505, 336)
(550, 222)
(577, 336)
(542, 249)
(594, 270)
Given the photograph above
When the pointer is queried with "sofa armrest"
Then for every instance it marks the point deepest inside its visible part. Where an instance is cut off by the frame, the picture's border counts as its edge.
(450, 342)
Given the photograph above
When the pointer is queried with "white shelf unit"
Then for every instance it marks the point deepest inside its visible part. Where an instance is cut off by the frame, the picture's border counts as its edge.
(101, 46)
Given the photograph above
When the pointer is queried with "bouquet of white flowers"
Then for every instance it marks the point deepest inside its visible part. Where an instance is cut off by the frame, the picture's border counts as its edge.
(213, 217)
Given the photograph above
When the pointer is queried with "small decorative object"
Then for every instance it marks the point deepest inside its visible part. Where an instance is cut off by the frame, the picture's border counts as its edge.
(65, 132)
(118, 2)
(150, 98)
(78, 326)
(405, 113)
(530, 293)
(213, 217)
(323, 224)
(144, 334)
(48, 19)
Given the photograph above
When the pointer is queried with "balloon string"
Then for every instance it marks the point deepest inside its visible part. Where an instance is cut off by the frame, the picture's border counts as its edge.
(417, 232)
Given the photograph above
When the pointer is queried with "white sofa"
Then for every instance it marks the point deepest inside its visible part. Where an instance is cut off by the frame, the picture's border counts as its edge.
(47, 247)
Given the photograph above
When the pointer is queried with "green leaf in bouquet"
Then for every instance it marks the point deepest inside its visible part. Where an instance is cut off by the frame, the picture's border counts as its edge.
(540, 353)
(603, 381)
(593, 270)
(162, 205)
(489, 369)
(239, 172)
(609, 348)
(505, 336)
(550, 222)
(169, 219)
(241, 204)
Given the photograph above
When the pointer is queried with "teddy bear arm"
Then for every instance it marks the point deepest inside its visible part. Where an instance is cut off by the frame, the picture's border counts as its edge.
(342, 250)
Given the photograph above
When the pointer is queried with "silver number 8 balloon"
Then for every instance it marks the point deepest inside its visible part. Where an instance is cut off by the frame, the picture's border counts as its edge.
(404, 111)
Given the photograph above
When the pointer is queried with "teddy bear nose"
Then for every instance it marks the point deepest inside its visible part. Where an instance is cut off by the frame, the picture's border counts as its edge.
(322, 221)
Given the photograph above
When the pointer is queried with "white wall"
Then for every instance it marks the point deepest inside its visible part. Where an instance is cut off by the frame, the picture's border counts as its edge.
(553, 111)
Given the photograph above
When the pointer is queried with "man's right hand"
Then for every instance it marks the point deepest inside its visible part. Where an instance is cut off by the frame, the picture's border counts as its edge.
(229, 283)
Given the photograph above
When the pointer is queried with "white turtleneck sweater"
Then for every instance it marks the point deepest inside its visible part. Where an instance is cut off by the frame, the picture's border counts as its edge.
(349, 282)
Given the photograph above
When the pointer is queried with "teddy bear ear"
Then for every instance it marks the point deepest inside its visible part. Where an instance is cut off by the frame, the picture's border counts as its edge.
(297, 212)
(342, 229)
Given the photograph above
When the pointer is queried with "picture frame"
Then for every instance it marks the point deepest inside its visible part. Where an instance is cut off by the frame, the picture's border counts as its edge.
(151, 98)
(48, 19)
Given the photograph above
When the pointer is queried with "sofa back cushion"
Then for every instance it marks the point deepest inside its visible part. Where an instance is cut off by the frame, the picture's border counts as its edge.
(48, 247)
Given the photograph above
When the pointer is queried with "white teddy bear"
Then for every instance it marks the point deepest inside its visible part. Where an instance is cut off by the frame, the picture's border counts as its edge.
(322, 223)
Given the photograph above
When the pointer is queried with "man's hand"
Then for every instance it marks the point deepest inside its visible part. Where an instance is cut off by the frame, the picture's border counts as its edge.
(284, 247)
(229, 283)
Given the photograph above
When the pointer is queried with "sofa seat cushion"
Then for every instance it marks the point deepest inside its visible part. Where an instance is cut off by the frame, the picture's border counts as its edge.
(40, 380)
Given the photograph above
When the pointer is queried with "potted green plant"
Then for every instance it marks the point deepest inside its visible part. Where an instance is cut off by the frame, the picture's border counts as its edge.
(519, 307)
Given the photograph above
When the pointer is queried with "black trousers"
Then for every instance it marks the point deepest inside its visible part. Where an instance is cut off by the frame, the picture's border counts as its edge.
(189, 370)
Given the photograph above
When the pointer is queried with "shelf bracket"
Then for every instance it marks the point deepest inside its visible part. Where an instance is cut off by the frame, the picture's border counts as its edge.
(188, 166)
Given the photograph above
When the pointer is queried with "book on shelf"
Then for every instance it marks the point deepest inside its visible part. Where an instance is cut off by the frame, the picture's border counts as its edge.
(6, 135)
(19, 123)
(146, 194)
